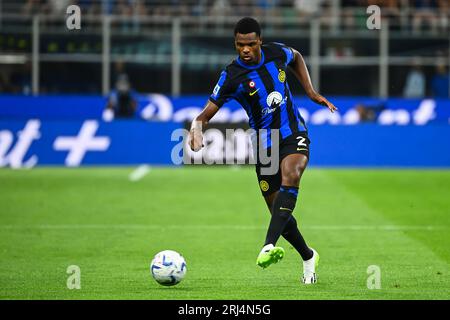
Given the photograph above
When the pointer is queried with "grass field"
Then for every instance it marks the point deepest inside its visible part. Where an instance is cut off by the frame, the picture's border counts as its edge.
(111, 227)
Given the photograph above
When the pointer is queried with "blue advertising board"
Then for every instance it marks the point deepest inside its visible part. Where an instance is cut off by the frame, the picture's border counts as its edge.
(27, 143)
(76, 130)
(158, 107)
(370, 145)
(74, 143)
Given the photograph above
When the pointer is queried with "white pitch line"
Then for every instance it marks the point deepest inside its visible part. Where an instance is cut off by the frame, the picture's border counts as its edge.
(228, 227)
(139, 173)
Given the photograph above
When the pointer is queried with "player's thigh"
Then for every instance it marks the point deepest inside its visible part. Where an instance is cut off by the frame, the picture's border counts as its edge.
(294, 153)
(292, 168)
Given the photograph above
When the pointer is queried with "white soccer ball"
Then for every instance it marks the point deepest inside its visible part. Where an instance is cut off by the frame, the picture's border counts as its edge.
(168, 267)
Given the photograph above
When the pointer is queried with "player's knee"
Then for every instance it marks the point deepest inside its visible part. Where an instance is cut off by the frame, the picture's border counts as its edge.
(292, 178)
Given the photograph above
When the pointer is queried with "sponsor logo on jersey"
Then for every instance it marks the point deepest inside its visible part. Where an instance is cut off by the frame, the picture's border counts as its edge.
(274, 99)
(266, 111)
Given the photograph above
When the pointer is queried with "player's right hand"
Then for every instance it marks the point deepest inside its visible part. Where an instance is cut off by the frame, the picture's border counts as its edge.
(195, 140)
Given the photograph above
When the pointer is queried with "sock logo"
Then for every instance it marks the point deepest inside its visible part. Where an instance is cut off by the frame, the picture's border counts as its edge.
(287, 209)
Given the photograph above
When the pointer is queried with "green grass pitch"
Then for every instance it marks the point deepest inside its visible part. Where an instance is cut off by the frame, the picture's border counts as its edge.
(109, 226)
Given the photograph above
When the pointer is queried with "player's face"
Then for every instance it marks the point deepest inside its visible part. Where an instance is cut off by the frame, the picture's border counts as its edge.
(248, 47)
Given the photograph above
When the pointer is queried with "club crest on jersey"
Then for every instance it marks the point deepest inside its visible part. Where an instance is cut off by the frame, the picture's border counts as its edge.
(251, 84)
(264, 185)
(282, 76)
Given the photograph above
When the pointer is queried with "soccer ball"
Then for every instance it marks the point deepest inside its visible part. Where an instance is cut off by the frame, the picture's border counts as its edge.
(168, 267)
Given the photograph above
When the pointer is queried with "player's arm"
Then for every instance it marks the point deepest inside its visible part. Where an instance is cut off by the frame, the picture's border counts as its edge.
(300, 70)
(195, 138)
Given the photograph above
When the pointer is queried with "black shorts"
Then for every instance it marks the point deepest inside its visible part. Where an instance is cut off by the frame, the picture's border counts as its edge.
(295, 143)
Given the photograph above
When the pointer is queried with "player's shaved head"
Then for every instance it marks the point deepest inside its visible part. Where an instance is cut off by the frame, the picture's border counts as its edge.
(247, 25)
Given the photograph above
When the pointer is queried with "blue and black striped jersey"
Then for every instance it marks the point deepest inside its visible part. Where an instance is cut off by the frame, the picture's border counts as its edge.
(263, 91)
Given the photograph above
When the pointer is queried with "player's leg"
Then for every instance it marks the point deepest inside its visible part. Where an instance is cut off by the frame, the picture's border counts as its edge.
(291, 171)
(291, 232)
(292, 168)
(269, 184)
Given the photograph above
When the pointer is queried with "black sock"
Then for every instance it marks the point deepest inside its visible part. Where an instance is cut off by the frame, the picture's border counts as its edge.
(292, 234)
(282, 209)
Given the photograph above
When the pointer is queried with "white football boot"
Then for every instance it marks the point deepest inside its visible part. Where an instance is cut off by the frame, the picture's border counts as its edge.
(309, 268)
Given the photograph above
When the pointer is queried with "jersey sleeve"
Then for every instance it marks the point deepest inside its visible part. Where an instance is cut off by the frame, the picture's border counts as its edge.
(288, 53)
(223, 91)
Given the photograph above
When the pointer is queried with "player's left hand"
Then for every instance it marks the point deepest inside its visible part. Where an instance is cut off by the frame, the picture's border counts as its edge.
(324, 102)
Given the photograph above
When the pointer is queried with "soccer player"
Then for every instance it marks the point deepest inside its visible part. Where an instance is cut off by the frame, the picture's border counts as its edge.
(257, 80)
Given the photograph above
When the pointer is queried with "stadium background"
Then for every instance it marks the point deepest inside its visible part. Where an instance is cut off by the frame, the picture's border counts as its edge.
(391, 87)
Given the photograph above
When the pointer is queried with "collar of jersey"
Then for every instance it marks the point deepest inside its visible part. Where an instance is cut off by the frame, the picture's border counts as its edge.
(242, 64)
